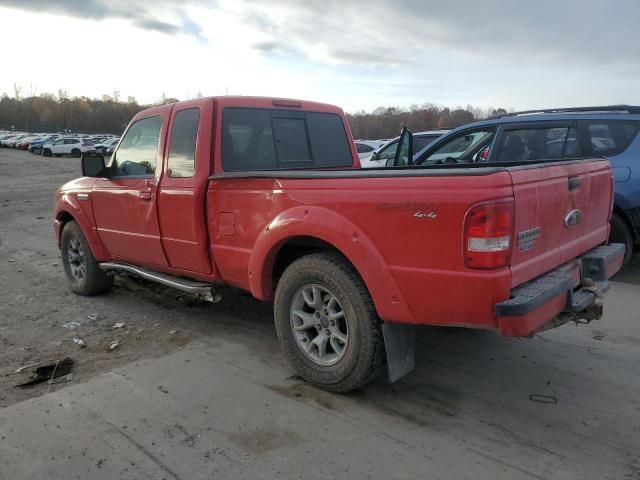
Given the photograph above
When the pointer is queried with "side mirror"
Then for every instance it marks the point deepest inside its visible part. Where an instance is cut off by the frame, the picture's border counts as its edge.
(404, 152)
(375, 156)
(93, 166)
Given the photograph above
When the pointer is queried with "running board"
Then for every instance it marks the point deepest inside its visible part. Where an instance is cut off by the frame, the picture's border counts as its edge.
(199, 289)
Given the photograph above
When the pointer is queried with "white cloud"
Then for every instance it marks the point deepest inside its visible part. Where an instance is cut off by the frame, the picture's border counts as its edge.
(356, 54)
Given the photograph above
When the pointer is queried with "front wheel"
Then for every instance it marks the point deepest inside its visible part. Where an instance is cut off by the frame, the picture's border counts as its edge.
(81, 268)
(622, 233)
(46, 152)
(327, 324)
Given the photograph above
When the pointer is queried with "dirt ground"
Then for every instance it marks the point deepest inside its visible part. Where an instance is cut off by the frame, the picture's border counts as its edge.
(35, 303)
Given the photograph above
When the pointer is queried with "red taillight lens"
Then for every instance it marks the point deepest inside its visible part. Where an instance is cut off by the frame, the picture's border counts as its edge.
(487, 235)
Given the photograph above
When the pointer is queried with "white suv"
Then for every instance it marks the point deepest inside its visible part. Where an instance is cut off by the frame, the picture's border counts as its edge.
(68, 146)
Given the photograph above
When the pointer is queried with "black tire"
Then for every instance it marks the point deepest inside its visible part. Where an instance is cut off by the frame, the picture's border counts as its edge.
(75, 152)
(58, 155)
(46, 152)
(94, 280)
(621, 233)
(364, 353)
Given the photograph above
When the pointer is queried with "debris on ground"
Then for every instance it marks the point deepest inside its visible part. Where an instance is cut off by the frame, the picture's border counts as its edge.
(543, 399)
(114, 345)
(79, 342)
(162, 389)
(119, 325)
(50, 371)
(71, 325)
(31, 365)
(95, 316)
(172, 332)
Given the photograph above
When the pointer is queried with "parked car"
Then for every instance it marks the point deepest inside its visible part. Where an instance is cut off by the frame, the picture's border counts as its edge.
(35, 146)
(365, 148)
(68, 146)
(11, 141)
(352, 258)
(23, 144)
(609, 131)
(380, 157)
(106, 147)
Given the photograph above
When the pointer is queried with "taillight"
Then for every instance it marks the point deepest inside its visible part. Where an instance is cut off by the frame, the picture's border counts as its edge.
(488, 229)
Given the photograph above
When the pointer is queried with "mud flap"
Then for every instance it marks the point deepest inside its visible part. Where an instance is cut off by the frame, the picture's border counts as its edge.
(400, 345)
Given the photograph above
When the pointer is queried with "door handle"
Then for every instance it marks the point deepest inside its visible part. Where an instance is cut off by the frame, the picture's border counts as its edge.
(149, 186)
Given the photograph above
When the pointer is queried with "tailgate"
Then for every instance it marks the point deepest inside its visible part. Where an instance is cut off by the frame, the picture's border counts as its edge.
(561, 211)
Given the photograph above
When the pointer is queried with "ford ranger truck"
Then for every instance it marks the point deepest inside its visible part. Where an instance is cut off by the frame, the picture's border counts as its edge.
(267, 195)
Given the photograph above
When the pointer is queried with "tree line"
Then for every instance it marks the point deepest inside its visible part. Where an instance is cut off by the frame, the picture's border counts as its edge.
(111, 114)
(386, 122)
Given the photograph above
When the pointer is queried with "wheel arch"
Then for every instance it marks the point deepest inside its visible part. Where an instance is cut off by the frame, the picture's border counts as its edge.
(72, 212)
(303, 230)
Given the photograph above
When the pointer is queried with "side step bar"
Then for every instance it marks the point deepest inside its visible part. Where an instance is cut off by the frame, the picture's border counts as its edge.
(199, 289)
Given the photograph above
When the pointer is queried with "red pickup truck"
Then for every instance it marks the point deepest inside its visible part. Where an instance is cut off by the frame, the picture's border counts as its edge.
(267, 195)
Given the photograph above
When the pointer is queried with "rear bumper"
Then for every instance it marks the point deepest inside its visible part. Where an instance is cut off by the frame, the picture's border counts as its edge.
(569, 292)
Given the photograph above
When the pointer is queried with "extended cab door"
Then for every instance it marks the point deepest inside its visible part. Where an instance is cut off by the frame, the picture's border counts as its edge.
(124, 205)
(183, 188)
(561, 208)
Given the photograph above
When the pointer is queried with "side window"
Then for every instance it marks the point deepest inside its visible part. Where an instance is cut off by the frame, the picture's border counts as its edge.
(419, 142)
(363, 148)
(533, 144)
(137, 154)
(462, 148)
(262, 139)
(388, 152)
(609, 138)
(182, 150)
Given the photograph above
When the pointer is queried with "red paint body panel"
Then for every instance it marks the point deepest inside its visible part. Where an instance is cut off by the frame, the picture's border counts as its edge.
(543, 199)
(403, 234)
(182, 201)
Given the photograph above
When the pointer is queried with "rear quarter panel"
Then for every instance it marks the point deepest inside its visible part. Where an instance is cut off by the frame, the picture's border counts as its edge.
(403, 235)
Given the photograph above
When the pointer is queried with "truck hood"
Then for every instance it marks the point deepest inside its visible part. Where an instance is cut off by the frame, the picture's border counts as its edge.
(82, 183)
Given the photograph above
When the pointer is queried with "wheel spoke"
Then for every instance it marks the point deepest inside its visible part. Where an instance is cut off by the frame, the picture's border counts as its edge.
(338, 335)
(313, 297)
(336, 345)
(308, 320)
(321, 343)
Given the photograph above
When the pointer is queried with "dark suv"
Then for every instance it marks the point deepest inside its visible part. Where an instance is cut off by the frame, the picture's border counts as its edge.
(560, 134)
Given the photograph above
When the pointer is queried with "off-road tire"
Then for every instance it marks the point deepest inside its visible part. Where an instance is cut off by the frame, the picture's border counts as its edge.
(365, 355)
(95, 280)
(622, 233)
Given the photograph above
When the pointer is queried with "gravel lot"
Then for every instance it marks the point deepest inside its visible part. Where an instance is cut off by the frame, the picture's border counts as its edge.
(468, 406)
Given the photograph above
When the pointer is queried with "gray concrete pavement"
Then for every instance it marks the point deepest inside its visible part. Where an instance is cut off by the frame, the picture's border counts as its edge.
(232, 409)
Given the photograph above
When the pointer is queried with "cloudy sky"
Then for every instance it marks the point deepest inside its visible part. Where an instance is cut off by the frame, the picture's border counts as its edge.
(358, 54)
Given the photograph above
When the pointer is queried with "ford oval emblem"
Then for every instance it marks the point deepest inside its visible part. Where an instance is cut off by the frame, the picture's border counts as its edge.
(573, 218)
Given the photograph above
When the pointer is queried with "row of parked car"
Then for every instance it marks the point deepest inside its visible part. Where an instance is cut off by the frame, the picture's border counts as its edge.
(58, 144)
(611, 132)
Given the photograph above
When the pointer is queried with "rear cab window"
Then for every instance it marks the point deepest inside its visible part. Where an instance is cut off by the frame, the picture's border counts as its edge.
(270, 139)
(182, 149)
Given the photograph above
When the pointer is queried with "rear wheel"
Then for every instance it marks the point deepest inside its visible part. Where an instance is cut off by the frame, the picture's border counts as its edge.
(81, 268)
(327, 324)
(621, 233)
(75, 152)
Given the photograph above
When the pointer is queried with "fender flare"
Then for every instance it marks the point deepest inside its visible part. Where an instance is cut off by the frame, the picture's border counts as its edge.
(70, 206)
(347, 238)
